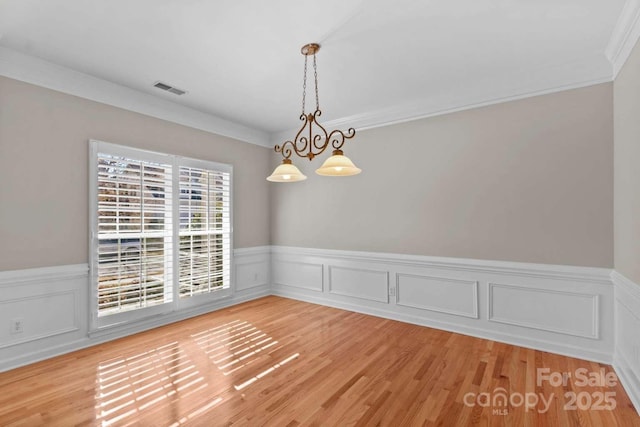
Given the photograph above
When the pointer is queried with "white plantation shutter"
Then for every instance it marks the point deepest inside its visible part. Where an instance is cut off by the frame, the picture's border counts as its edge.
(134, 234)
(205, 230)
(161, 226)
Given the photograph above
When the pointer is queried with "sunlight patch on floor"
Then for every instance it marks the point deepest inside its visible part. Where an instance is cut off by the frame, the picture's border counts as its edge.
(126, 386)
(236, 345)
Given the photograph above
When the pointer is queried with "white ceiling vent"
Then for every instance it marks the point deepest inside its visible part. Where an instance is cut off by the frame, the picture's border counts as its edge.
(169, 88)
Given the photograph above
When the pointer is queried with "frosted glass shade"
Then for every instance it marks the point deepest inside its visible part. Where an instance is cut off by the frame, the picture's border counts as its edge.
(338, 165)
(286, 172)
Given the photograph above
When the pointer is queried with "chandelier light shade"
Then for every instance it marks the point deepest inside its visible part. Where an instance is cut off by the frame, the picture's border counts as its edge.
(313, 139)
(286, 172)
(338, 165)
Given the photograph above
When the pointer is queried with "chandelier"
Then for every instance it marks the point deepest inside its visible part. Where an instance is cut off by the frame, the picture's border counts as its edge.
(312, 138)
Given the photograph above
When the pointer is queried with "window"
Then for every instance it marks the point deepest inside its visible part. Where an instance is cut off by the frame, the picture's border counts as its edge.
(161, 228)
(204, 230)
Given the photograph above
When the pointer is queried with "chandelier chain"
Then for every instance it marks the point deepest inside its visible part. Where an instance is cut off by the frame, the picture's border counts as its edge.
(304, 86)
(315, 77)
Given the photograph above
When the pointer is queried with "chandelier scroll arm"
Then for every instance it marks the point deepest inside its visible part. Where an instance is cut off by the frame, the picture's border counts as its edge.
(300, 143)
(284, 150)
(338, 137)
(320, 137)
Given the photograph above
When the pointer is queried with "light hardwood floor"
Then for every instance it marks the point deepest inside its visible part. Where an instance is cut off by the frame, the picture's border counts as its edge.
(281, 362)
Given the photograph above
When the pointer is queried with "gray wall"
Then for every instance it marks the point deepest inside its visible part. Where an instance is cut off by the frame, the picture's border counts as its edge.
(627, 168)
(528, 180)
(44, 171)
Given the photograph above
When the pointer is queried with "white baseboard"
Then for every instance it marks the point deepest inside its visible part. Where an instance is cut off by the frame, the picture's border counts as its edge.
(561, 309)
(627, 349)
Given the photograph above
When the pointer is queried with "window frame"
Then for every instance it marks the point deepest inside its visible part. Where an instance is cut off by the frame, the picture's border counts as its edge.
(177, 304)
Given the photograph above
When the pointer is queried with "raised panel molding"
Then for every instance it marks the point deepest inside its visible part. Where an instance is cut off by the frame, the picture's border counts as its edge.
(252, 274)
(295, 274)
(47, 299)
(252, 267)
(438, 294)
(52, 304)
(545, 309)
(372, 285)
(57, 315)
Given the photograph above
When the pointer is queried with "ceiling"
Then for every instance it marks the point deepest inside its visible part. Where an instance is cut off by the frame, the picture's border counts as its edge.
(380, 61)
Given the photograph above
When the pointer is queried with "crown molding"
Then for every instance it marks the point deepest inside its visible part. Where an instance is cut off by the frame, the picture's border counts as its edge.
(427, 108)
(30, 69)
(625, 35)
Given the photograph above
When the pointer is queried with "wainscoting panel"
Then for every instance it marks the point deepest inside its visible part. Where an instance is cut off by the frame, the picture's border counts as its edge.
(566, 313)
(372, 285)
(301, 275)
(56, 315)
(627, 350)
(252, 268)
(52, 305)
(252, 274)
(451, 296)
(561, 309)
